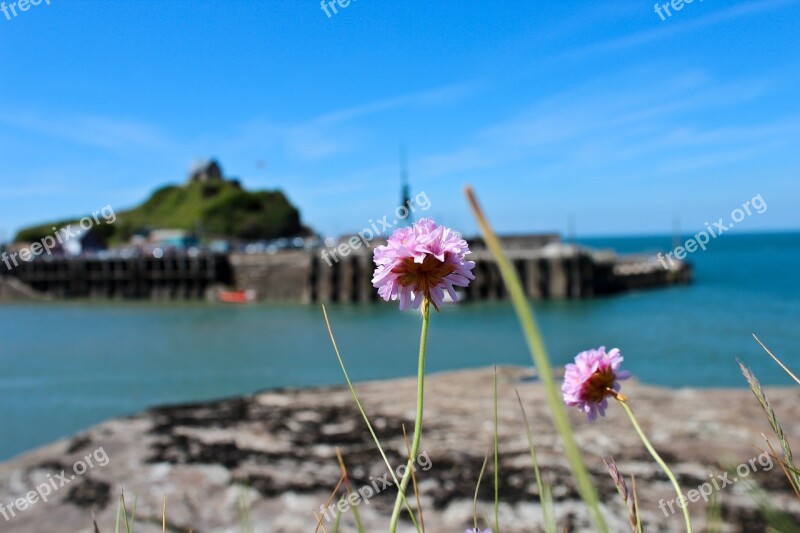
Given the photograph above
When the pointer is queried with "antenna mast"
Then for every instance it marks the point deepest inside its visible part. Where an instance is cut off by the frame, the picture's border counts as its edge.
(405, 188)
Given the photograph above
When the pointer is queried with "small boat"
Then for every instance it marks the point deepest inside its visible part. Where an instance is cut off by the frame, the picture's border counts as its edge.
(236, 297)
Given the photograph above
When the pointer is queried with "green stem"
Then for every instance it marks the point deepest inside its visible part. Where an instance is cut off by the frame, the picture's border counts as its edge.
(423, 341)
(658, 460)
(363, 413)
(496, 463)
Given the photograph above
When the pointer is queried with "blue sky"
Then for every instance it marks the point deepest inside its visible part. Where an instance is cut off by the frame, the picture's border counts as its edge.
(598, 112)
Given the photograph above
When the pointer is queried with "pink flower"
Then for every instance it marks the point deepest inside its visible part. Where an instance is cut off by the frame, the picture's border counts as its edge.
(592, 379)
(422, 262)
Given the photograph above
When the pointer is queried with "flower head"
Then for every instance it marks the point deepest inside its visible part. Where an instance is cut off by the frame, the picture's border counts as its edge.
(474, 530)
(592, 379)
(422, 261)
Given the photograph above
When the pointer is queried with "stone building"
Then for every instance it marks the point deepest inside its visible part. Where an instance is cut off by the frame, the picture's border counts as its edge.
(205, 170)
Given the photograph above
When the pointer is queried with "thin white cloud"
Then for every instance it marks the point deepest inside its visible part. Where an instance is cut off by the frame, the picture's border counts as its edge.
(334, 133)
(675, 26)
(612, 121)
(90, 130)
(434, 97)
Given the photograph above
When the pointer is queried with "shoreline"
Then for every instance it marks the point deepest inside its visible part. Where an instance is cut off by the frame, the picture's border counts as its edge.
(281, 444)
(338, 382)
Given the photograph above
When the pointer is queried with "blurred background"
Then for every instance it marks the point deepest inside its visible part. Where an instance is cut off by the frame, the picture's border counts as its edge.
(235, 141)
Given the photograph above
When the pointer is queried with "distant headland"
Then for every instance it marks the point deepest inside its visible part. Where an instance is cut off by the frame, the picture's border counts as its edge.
(211, 238)
(208, 205)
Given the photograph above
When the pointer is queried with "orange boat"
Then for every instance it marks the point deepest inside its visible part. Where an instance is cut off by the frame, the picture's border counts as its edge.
(236, 297)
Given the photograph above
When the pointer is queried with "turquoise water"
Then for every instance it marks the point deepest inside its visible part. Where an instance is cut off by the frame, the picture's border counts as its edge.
(66, 366)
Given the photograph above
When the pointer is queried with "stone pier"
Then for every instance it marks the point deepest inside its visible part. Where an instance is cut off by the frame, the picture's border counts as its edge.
(551, 271)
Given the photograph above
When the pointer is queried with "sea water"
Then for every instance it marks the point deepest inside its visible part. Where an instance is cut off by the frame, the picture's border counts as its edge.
(65, 366)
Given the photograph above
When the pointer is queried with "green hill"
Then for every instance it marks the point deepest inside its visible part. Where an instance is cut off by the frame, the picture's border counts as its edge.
(215, 208)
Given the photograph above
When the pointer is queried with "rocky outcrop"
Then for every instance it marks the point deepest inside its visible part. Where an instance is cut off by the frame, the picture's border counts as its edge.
(274, 454)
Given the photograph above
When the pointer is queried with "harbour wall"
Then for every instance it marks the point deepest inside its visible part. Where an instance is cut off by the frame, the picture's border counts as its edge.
(553, 271)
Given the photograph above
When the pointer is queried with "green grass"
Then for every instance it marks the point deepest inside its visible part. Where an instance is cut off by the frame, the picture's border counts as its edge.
(545, 492)
(496, 463)
(777, 521)
(774, 423)
(543, 366)
(477, 489)
(401, 493)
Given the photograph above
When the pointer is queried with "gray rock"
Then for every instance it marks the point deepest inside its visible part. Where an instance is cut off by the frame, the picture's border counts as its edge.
(274, 454)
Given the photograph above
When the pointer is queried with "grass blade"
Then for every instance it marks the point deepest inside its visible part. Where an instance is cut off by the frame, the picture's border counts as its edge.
(549, 522)
(776, 520)
(414, 480)
(243, 505)
(636, 505)
(777, 360)
(349, 490)
(338, 519)
(496, 463)
(542, 363)
(477, 487)
(328, 504)
(785, 469)
(133, 511)
(119, 513)
(761, 396)
(714, 523)
(622, 489)
(550, 513)
(366, 418)
(125, 514)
